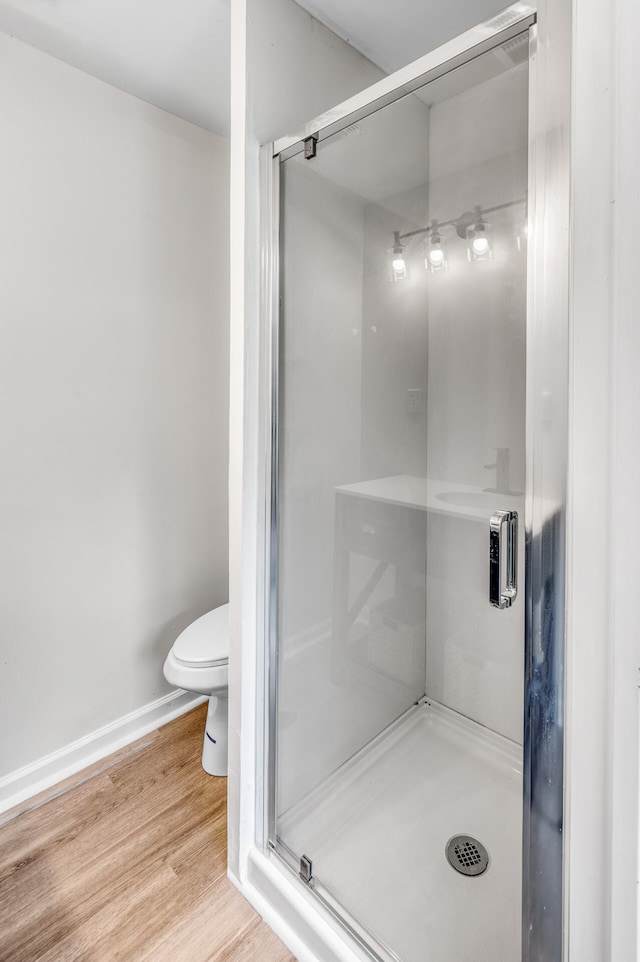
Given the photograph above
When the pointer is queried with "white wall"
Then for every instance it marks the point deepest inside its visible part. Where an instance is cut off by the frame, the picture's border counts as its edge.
(625, 567)
(604, 509)
(299, 68)
(114, 380)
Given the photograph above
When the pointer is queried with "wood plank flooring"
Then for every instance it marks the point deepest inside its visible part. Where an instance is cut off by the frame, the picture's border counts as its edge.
(128, 862)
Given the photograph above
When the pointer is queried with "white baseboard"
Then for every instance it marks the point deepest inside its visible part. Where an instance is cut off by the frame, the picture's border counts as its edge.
(24, 783)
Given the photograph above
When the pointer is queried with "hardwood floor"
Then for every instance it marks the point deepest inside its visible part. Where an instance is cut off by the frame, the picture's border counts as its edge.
(128, 862)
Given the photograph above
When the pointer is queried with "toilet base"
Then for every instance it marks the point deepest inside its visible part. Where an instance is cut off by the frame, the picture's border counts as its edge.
(216, 736)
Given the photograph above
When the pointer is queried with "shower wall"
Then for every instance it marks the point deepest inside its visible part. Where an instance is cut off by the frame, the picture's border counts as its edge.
(422, 378)
(476, 396)
(321, 345)
(334, 697)
(394, 341)
(352, 343)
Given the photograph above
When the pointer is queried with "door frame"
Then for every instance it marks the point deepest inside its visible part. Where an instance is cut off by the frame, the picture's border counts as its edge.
(546, 447)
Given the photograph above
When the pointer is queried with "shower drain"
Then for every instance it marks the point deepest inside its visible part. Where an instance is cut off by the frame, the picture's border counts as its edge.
(467, 855)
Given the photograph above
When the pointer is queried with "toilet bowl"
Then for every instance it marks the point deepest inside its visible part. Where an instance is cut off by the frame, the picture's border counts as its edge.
(198, 662)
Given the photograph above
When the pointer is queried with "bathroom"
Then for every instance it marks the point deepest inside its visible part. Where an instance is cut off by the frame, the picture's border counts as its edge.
(168, 561)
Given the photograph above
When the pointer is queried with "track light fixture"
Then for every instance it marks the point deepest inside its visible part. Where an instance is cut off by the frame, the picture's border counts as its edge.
(471, 227)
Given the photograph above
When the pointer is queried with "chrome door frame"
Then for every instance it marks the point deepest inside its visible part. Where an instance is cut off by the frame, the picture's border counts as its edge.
(547, 324)
(544, 892)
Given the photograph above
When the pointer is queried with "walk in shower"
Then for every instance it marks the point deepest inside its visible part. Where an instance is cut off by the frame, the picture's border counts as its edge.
(401, 608)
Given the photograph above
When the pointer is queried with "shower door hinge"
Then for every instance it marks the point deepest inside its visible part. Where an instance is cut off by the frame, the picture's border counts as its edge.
(306, 870)
(310, 144)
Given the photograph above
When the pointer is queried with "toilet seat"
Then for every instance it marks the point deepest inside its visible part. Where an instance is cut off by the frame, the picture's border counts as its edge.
(206, 680)
(199, 658)
(205, 642)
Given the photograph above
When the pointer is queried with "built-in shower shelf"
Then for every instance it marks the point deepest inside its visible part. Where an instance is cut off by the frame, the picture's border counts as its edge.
(441, 497)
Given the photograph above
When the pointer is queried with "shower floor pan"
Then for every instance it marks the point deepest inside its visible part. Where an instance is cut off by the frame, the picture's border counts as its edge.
(377, 833)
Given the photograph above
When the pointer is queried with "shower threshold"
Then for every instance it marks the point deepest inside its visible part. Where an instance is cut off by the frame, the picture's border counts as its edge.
(377, 834)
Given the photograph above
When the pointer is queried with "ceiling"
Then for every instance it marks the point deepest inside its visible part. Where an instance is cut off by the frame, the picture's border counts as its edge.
(175, 53)
(172, 53)
(392, 33)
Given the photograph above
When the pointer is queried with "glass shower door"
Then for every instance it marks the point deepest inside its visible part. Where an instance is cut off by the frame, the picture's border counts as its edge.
(399, 523)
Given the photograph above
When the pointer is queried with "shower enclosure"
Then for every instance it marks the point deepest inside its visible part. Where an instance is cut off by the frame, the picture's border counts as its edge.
(415, 711)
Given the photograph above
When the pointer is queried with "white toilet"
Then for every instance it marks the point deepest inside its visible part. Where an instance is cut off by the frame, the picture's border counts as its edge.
(199, 662)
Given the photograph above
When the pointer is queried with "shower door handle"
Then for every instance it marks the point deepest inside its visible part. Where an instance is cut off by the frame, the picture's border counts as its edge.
(503, 563)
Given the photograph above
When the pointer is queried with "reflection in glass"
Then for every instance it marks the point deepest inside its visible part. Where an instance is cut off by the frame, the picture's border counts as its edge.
(401, 374)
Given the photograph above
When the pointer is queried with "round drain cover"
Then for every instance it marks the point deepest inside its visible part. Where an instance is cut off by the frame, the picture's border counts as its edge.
(467, 855)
